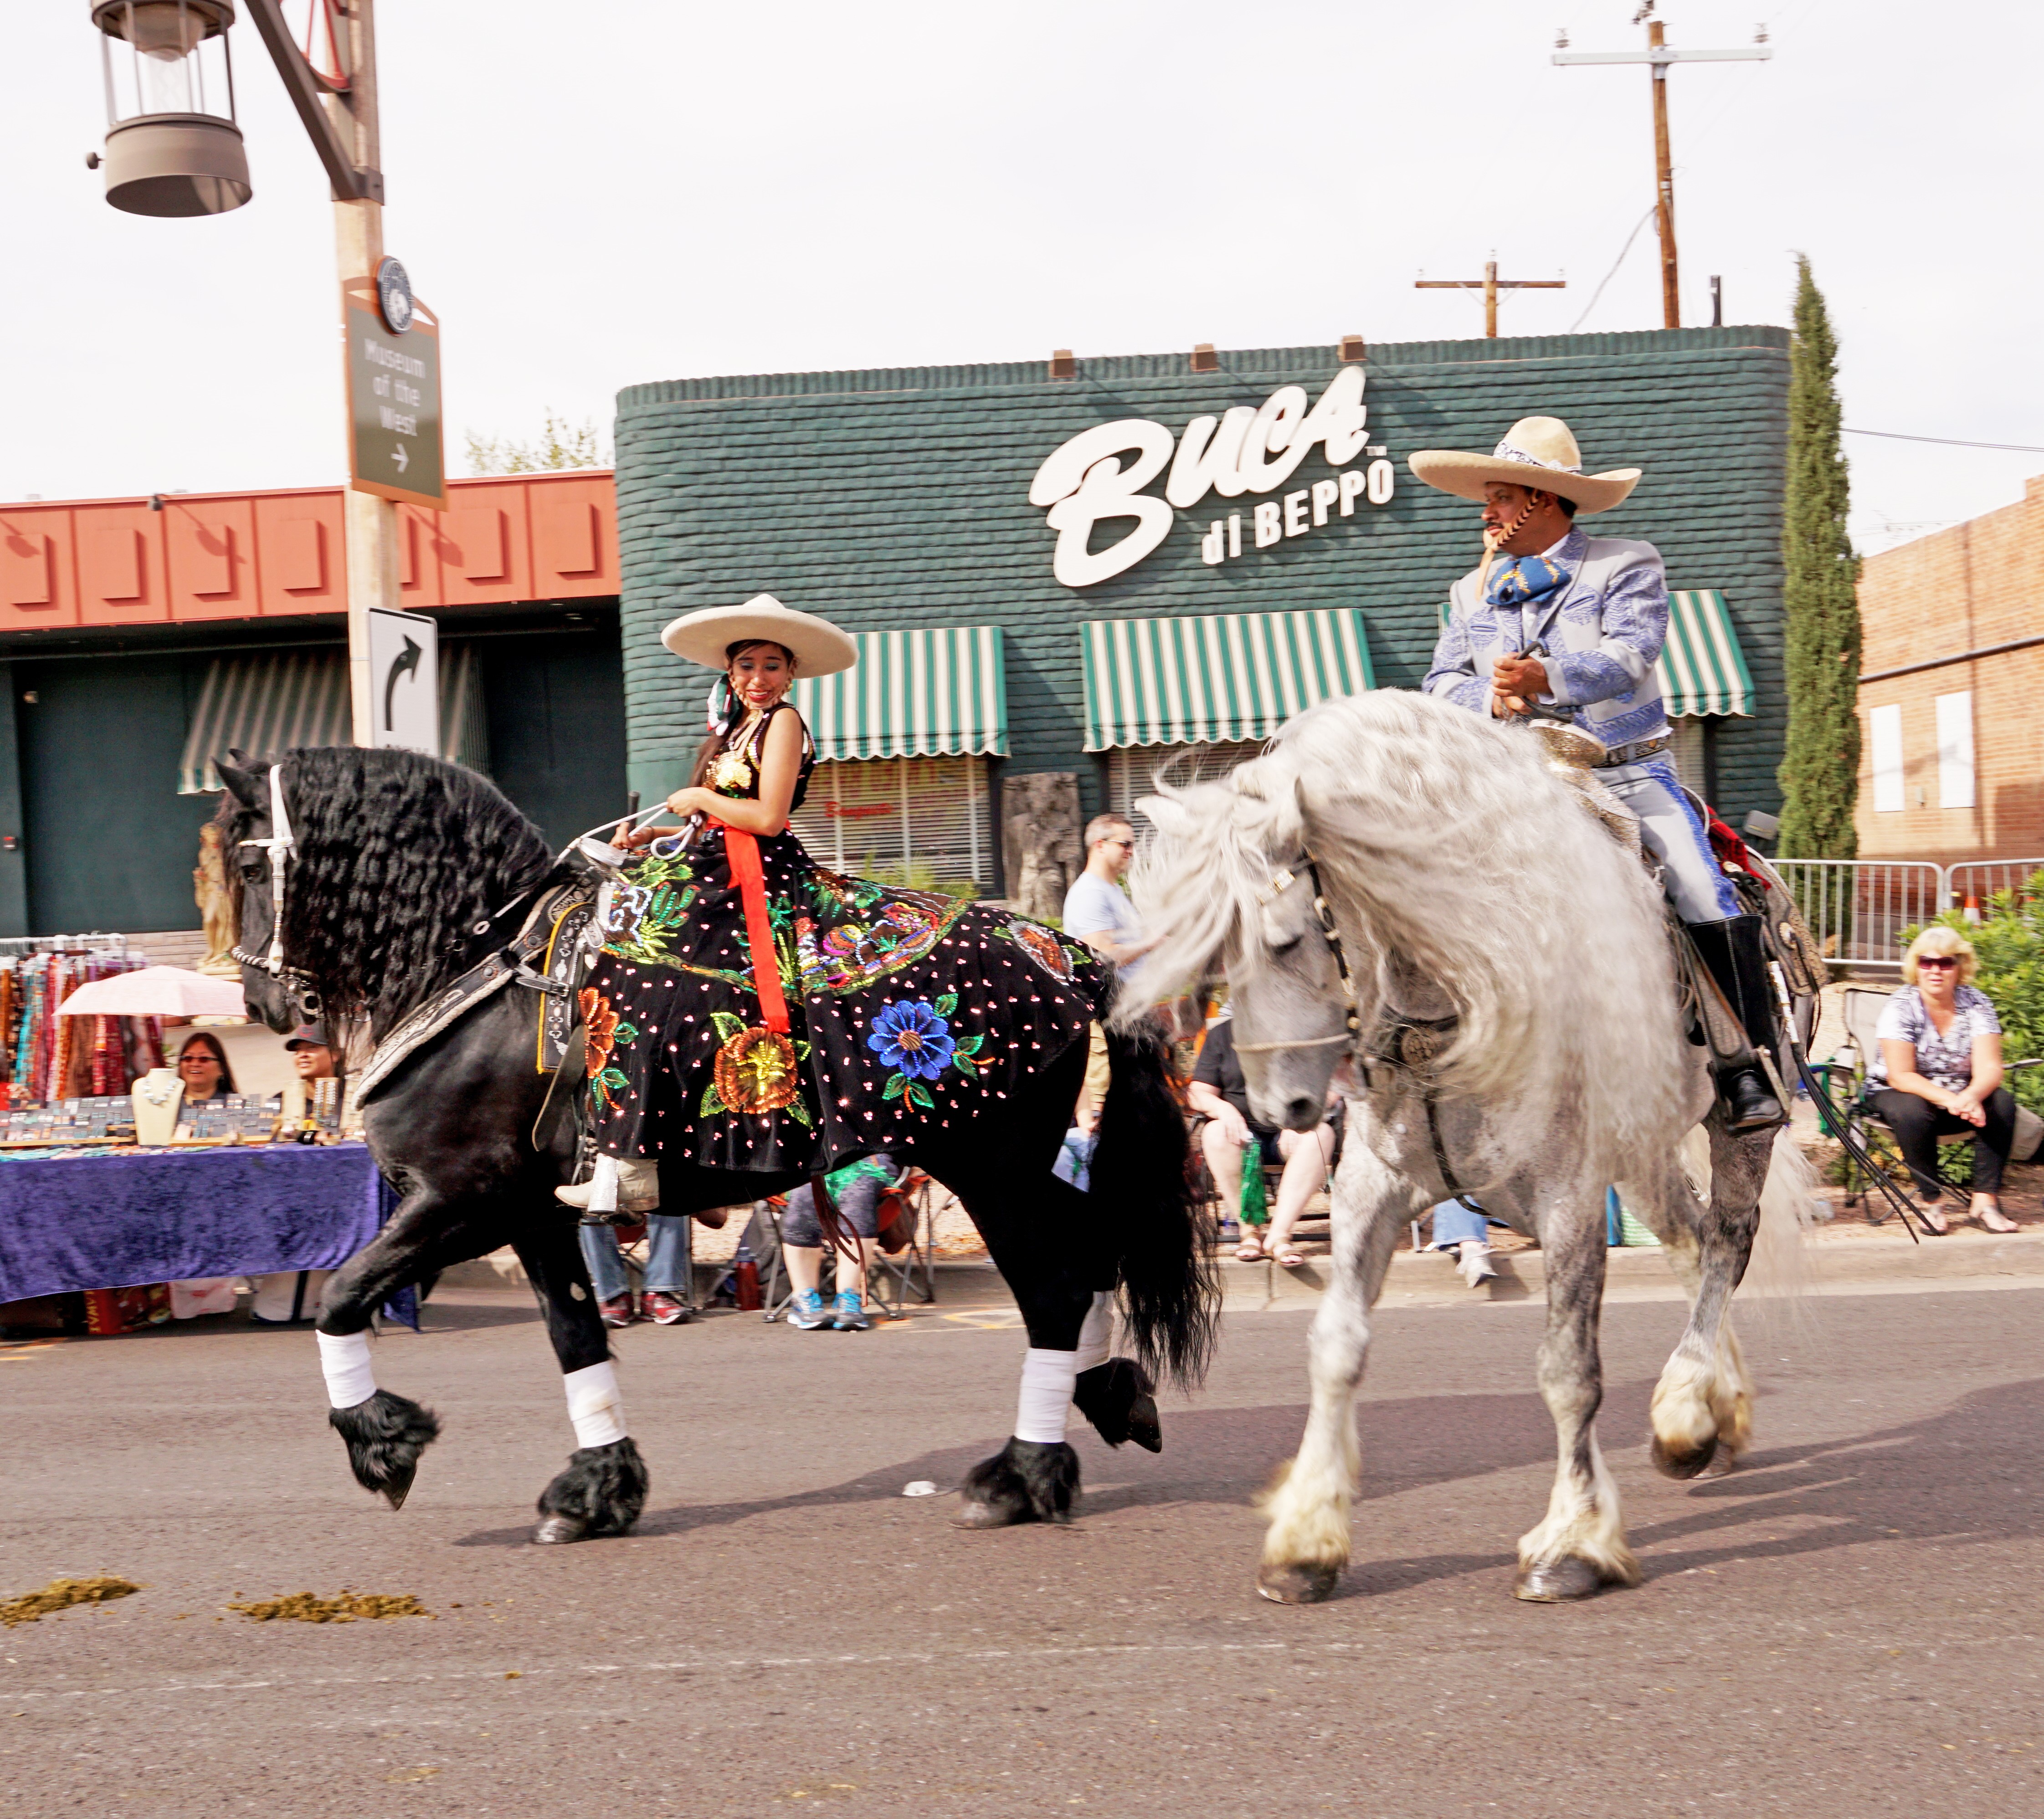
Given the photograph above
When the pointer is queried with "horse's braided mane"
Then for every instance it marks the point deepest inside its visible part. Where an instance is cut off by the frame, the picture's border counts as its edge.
(399, 856)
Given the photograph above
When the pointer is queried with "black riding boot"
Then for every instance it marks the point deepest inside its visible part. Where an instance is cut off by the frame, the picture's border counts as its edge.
(1731, 950)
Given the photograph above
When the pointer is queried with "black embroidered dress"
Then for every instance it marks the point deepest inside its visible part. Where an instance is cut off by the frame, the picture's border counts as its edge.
(909, 1013)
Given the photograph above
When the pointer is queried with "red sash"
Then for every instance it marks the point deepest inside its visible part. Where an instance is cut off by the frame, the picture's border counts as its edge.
(742, 849)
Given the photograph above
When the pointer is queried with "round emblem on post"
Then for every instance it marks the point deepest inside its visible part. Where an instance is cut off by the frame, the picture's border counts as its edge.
(393, 296)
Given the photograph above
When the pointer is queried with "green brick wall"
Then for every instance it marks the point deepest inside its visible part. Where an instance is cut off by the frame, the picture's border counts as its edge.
(900, 497)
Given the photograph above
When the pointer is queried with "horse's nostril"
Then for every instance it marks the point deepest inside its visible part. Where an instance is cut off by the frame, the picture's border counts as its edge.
(1302, 1113)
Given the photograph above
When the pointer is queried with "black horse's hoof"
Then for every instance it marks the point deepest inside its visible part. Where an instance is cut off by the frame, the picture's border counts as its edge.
(600, 1491)
(1559, 1582)
(1119, 1399)
(1672, 1464)
(1026, 1481)
(1297, 1584)
(385, 1436)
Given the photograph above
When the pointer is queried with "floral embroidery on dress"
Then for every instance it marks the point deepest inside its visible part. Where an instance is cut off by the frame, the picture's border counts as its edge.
(604, 1030)
(648, 912)
(755, 1071)
(1043, 947)
(850, 956)
(914, 1037)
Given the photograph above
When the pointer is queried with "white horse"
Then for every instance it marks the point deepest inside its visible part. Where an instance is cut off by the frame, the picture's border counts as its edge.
(1401, 890)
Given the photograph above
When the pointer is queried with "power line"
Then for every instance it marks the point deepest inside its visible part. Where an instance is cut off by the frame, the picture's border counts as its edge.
(1615, 263)
(1947, 441)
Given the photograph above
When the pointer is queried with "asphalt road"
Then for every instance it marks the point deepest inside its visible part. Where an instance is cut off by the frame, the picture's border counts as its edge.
(1847, 1626)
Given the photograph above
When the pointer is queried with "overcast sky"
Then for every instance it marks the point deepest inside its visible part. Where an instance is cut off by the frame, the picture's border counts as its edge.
(598, 195)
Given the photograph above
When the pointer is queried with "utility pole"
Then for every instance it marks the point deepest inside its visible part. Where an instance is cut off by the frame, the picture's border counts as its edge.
(1659, 56)
(1492, 284)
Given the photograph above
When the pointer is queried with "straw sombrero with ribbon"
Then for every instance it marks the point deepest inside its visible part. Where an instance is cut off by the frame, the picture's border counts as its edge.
(819, 648)
(1537, 451)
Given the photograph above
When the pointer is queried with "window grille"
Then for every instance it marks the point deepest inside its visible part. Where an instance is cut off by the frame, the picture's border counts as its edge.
(922, 822)
(1134, 771)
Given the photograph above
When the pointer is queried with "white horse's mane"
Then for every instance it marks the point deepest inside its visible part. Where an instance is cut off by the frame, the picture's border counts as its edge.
(1443, 840)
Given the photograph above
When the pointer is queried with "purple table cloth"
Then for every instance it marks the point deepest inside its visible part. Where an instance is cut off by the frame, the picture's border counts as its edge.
(114, 1221)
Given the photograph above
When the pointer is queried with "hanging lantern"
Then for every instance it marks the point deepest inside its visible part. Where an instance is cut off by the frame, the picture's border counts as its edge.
(172, 145)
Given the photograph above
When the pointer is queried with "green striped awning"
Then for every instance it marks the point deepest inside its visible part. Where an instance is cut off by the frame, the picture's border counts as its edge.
(912, 694)
(1702, 669)
(278, 701)
(1232, 676)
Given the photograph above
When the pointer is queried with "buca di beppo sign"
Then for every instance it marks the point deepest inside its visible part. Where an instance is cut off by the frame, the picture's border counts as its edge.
(1244, 450)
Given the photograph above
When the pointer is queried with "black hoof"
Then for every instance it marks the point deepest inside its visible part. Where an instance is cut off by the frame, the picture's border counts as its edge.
(1560, 1582)
(600, 1491)
(1025, 1482)
(1118, 1398)
(1673, 1464)
(1297, 1584)
(385, 1436)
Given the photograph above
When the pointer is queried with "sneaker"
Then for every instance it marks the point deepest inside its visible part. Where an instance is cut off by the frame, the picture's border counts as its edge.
(807, 1311)
(851, 1313)
(617, 1310)
(662, 1308)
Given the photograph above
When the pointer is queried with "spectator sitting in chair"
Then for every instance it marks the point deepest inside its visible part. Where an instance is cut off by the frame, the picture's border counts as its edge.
(1939, 1074)
(1219, 1090)
(855, 1191)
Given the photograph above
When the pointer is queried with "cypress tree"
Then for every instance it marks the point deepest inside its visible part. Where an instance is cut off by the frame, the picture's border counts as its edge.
(1820, 773)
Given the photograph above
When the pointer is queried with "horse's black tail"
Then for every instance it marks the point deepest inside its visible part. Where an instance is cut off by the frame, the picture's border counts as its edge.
(1141, 1181)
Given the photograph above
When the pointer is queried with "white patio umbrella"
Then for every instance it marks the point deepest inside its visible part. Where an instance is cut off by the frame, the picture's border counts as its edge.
(156, 991)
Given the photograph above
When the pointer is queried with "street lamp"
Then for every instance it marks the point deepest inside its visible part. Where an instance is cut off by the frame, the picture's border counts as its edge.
(172, 145)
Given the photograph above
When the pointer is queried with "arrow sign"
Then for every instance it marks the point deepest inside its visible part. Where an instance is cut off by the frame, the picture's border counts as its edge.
(399, 459)
(406, 663)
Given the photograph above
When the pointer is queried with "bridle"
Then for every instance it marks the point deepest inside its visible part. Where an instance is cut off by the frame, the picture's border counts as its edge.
(282, 845)
(1281, 880)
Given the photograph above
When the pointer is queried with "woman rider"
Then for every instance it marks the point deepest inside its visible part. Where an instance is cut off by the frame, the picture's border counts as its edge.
(752, 1011)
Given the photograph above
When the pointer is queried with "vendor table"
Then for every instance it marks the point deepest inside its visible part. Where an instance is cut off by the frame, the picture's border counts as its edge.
(88, 1219)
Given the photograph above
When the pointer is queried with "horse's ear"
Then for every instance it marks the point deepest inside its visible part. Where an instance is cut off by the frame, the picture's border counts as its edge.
(243, 776)
(1166, 813)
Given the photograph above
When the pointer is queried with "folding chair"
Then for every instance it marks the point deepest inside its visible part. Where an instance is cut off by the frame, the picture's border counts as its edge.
(904, 1264)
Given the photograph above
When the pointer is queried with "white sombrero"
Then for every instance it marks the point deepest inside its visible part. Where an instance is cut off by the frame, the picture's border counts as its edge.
(1537, 451)
(819, 647)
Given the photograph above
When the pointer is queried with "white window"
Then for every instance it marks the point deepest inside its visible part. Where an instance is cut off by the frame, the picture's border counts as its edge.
(1134, 771)
(1686, 748)
(1955, 750)
(921, 822)
(1884, 729)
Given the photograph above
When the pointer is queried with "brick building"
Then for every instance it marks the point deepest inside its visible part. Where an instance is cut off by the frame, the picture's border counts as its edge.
(1952, 741)
(922, 503)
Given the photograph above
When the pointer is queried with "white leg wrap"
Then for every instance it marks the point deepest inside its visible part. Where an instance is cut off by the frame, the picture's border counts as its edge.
(351, 1379)
(593, 1404)
(603, 1191)
(1097, 1333)
(1048, 1378)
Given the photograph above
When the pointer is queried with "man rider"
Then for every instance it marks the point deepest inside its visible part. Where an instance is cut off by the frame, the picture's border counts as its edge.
(1559, 622)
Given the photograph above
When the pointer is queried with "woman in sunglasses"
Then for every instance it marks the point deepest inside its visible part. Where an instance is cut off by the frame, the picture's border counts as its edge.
(1938, 1074)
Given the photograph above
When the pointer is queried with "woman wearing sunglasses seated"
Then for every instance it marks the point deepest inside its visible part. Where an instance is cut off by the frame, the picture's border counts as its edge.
(1938, 1074)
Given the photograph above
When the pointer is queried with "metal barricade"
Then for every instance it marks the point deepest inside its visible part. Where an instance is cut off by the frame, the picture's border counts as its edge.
(1984, 879)
(1857, 908)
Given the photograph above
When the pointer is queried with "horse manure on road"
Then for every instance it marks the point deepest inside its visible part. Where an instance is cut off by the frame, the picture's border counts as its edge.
(309, 1607)
(61, 1594)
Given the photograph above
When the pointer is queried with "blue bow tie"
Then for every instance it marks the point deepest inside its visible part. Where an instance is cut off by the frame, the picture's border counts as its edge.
(1525, 580)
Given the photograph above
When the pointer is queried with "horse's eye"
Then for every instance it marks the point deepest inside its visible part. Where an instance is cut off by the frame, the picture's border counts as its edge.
(1284, 945)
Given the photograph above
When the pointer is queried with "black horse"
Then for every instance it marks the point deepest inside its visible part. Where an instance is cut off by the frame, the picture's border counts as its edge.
(402, 873)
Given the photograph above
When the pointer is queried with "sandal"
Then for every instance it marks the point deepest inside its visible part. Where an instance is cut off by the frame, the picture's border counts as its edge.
(1980, 1215)
(1285, 1258)
(1930, 1215)
(1251, 1250)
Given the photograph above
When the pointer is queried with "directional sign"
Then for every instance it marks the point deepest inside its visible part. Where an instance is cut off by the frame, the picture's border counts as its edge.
(405, 679)
(394, 401)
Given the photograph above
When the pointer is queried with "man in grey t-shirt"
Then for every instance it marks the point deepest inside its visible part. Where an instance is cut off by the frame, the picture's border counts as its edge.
(1098, 912)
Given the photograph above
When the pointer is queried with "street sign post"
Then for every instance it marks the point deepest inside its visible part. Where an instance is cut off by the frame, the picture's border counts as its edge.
(405, 670)
(394, 445)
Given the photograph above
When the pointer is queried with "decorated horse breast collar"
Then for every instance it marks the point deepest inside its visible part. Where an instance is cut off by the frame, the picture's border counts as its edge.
(550, 934)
